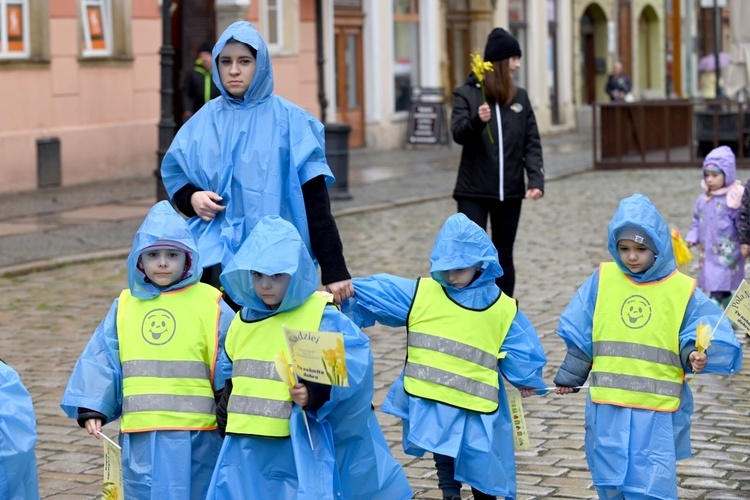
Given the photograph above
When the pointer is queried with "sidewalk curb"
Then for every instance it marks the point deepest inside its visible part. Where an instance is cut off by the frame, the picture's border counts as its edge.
(122, 253)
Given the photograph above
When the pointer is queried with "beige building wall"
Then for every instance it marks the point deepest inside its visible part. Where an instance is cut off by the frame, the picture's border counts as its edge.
(104, 112)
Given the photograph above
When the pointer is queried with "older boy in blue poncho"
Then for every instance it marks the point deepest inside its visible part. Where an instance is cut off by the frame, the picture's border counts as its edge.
(266, 452)
(251, 153)
(632, 326)
(18, 478)
(152, 361)
(463, 333)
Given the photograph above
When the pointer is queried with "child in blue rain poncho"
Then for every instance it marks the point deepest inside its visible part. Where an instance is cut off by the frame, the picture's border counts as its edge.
(251, 153)
(460, 323)
(18, 478)
(266, 452)
(635, 319)
(152, 361)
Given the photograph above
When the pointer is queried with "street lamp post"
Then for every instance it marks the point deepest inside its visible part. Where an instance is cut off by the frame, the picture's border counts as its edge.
(166, 124)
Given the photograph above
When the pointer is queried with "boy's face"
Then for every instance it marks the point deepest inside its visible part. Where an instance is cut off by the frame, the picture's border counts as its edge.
(271, 289)
(636, 257)
(714, 180)
(163, 267)
(459, 278)
(236, 68)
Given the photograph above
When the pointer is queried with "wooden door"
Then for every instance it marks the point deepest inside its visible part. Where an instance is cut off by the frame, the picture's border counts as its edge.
(349, 81)
(588, 69)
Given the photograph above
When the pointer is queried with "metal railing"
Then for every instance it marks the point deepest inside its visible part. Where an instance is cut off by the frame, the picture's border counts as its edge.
(668, 133)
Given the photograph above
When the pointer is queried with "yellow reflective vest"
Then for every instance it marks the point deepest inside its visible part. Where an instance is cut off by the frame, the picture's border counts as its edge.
(168, 348)
(636, 343)
(260, 403)
(452, 351)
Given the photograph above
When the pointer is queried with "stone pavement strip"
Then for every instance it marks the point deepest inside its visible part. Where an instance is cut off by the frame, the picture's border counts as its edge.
(49, 316)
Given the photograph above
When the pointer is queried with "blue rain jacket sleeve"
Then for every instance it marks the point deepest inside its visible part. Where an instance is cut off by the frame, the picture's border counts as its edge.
(96, 381)
(18, 476)
(254, 152)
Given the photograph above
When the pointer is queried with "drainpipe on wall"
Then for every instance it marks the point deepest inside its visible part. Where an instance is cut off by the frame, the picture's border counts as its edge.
(167, 123)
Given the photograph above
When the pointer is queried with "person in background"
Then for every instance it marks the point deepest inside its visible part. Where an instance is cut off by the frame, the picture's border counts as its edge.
(198, 87)
(250, 154)
(618, 84)
(632, 327)
(716, 227)
(513, 148)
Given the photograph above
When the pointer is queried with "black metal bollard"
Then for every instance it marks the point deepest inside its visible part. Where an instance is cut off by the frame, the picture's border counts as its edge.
(337, 153)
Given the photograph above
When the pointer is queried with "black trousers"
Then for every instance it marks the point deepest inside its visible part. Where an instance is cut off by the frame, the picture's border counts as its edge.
(504, 217)
(211, 277)
(448, 485)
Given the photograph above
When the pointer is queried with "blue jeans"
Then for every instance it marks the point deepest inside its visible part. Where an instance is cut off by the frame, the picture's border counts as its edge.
(448, 484)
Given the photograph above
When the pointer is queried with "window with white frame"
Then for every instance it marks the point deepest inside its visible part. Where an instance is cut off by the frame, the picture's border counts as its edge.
(274, 17)
(280, 22)
(405, 51)
(14, 29)
(96, 20)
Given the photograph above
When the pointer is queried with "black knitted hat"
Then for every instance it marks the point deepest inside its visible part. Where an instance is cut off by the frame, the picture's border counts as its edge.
(205, 47)
(501, 45)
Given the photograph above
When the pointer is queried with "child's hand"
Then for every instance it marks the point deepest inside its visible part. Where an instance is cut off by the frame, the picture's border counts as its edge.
(745, 250)
(300, 395)
(341, 290)
(484, 112)
(527, 391)
(205, 204)
(698, 361)
(563, 390)
(94, 427)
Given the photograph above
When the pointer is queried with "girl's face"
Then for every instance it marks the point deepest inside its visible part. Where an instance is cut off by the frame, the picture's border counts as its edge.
(271, 288)
(236, 68)
(460, 278)
(163, 267)
(635, 256)
(714, 180)
(514, 63)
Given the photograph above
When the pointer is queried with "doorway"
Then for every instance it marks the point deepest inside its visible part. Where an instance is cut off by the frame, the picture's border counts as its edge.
(349, 74)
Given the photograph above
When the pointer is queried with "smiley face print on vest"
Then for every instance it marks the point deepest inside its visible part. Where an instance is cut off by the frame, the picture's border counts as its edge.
(635, 312)
(158, 327)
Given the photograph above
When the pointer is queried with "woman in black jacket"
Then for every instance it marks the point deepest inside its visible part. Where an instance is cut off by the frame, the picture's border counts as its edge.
(491, 174)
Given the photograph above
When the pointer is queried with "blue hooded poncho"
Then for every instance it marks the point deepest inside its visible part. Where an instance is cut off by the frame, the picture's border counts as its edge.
(629, 449)
(482, 444)
(351, 458)
(18, 477)
(256, 153)
(158, 464)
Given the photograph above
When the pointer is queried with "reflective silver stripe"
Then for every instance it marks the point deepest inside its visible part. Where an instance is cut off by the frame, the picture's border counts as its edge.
(168, 402)
(454, 348)
(637, 384)
(248, 405)
(448, 379)
(637, 351)
(165, 369)
(255, 369)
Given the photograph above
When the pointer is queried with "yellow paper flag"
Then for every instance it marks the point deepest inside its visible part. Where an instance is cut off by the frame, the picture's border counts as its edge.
(283, 369)
(703, 336)
(738, 310)
(520, 434)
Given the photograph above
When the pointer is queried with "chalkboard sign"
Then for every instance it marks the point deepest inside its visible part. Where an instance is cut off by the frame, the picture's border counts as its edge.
(426, 117)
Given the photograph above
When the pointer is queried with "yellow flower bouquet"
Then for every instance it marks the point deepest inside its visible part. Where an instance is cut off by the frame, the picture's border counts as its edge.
(479, 67)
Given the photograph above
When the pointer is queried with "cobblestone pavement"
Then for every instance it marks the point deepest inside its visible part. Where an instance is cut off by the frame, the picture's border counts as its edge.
(49, 316)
